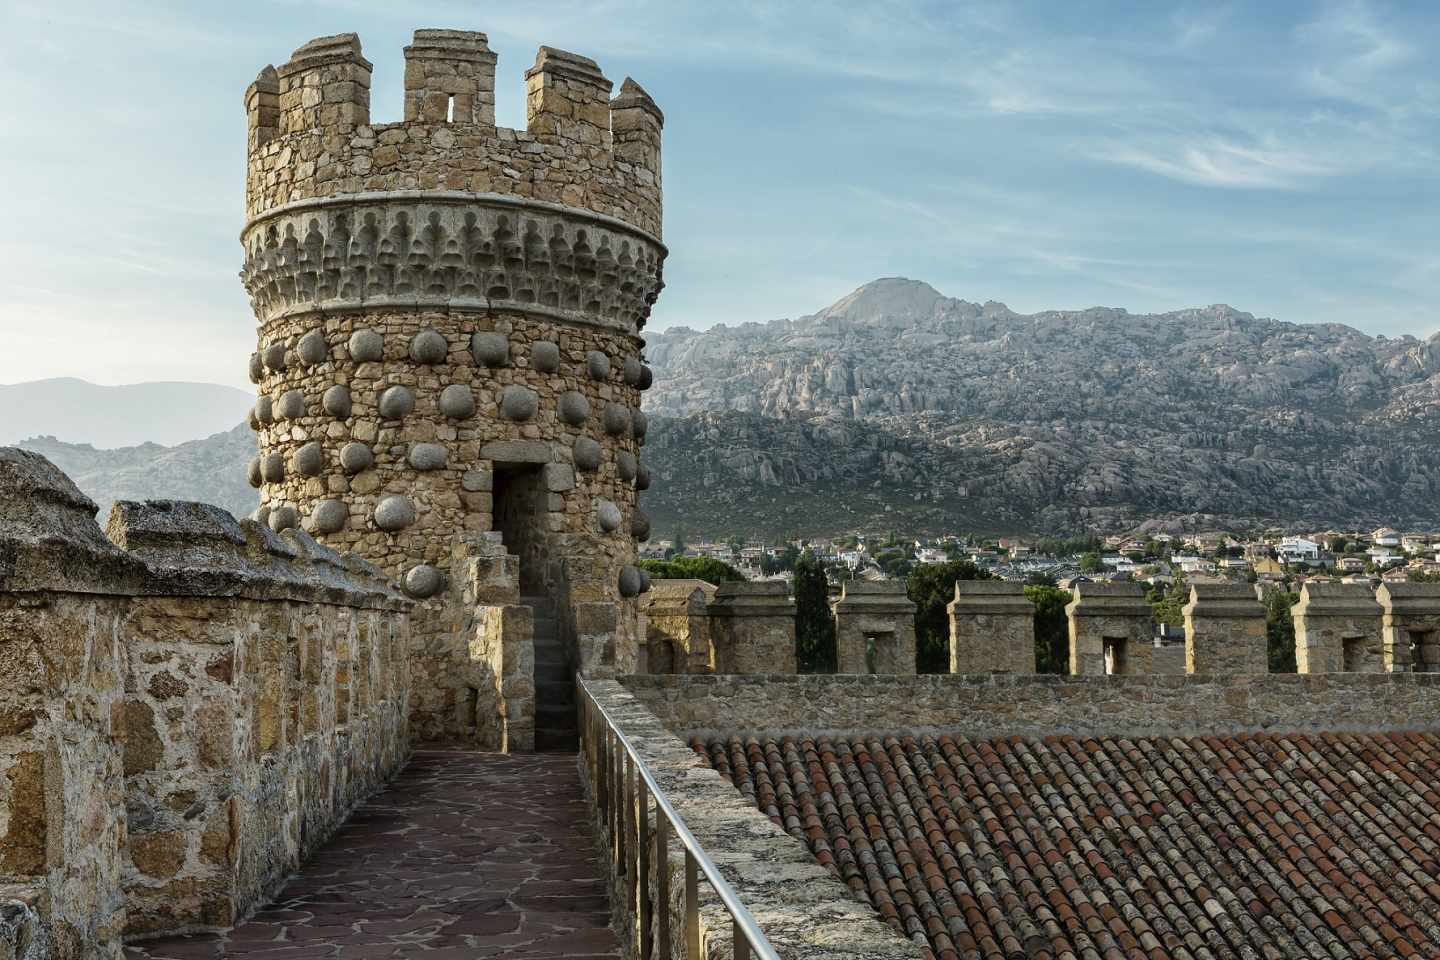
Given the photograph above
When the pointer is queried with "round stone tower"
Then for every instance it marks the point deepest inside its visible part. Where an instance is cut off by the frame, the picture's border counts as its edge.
(449, 333)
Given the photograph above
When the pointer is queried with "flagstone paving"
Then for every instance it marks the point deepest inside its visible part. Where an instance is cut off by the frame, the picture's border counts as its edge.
(465, 855)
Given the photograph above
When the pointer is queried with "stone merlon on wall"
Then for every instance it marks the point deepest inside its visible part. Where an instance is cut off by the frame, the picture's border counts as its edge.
(1111, 629)
(992, 628)
(1224, 630)
(874, 628)
(1337, 629)
(1411, 624)
(752, 627)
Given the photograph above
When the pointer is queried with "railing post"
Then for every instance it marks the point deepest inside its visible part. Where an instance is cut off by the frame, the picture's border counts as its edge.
(632, 778)
(662, 883)
(642, 849)
(692, 906)
(617, 813)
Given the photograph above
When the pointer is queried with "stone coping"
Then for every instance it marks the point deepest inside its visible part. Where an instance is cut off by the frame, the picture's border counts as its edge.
(805, 912)
(1001, 705)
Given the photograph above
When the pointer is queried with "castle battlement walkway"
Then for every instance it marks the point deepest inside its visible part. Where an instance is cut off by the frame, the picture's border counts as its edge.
(465, 855)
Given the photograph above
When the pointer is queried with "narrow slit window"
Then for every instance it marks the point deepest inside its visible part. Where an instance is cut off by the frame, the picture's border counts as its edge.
(450, 109)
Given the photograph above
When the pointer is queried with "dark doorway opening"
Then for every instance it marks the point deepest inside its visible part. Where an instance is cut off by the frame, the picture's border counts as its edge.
(519, 507)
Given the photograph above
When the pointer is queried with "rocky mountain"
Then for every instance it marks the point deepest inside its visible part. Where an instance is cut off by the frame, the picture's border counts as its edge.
(121, 416)
(211, 469)
(898, 407)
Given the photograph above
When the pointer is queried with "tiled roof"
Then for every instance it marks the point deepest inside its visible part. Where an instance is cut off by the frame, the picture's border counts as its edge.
(1323, 846)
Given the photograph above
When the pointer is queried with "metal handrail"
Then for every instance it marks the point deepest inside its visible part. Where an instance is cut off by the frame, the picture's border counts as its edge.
(626, 809)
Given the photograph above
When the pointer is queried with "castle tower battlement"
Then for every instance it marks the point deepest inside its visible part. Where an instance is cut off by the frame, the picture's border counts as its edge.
(449, 332)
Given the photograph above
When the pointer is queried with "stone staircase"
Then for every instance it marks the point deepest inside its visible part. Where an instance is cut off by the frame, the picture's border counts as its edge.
(555, 722)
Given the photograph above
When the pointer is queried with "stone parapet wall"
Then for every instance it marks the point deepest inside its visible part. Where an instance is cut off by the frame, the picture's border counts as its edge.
(677, 636)
(1410, 621)
(1040, 705)
(187, 708)
(804, 912)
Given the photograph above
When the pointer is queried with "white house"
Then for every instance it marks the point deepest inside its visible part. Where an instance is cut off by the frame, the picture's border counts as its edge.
(1298, 550)
(1385, 537)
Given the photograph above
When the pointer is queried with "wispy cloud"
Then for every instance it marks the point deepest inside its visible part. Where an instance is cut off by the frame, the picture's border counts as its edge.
(1217, 162)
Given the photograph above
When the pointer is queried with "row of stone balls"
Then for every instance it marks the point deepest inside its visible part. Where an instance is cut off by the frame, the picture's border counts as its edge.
(457, 402)
(357, 457)
(424, 580)
(430, 347)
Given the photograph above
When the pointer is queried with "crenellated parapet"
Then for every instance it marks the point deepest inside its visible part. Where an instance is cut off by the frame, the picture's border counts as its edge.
(189, 704)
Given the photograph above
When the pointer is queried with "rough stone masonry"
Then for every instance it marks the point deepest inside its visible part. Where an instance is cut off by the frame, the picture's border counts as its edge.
(449, 343)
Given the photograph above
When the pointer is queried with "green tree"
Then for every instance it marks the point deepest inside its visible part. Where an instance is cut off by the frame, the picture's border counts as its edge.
(1091, 563)
(814, 623)
(1168, 602)
(692, 568)
(1052, 628)
(931, 586)
(1280, 630)
(677, 544)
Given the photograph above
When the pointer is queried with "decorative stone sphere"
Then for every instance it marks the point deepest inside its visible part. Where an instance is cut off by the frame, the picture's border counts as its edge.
(336, 401)
(310, 460)
(275, 356)
(261, 515)
(356, 457)
(429, 347)
(394, 513)
(283, 518)
(640, 526)
(573, 408)
(272, 468)
(642, 478)
(519, 403)
(396, 403)
(291, 405)
(366, 346)
(597, 365)
(616, 419)
(423, 581)
(647, 379)
(264, 409)
(644, 579)
(630, 582)
(257, 368)
(253, 420)
(631, 370)
(607, 516)
(457, 401)
(587, 454)
(545, 356)
(312, 348)
(329, 516)
(428, 456)
(252, 472)
(639, 424)
(491, 349)
(626, 465)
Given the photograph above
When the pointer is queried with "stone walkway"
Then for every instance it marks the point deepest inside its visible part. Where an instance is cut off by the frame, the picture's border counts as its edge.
(465, 856)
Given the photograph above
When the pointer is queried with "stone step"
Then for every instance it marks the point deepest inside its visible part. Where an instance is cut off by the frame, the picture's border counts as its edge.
(557, 691)
(556, 741)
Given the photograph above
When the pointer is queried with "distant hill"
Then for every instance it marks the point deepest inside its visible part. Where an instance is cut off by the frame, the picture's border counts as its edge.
(900, 408)
(211, 469)
(107, 418)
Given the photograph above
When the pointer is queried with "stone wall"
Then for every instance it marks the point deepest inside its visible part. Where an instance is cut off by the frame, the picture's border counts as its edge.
(187, 707)
(1111, 629)
(874, 628)
(992, 628)
(449, 339)
(1224, 630)
(804, 912)
(752, 627)
(1001, 705)
(1337, 628)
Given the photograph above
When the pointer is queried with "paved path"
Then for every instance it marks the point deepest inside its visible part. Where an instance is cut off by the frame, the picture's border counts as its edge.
(465, 856)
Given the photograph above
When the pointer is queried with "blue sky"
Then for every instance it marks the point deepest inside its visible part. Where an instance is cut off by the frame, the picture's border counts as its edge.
(1279, 157)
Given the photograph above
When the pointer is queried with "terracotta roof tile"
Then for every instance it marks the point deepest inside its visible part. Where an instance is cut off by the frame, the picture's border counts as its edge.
(1316, 846)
